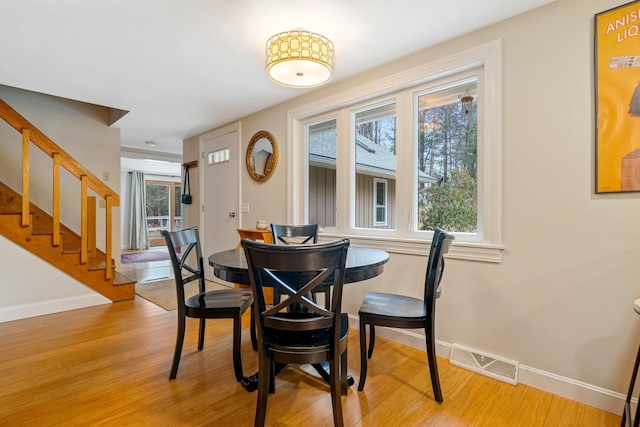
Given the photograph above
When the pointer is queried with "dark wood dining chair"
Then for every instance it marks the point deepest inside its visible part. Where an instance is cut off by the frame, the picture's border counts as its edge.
(398, 311)
(297, 330)
(284, 234)
(186, 258)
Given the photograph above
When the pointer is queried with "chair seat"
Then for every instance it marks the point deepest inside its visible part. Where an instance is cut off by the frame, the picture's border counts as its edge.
(231, 299)
(313, 338)
(391, 305)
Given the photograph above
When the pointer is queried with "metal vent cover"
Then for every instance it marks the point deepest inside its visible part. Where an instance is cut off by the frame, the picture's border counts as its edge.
(484, 363)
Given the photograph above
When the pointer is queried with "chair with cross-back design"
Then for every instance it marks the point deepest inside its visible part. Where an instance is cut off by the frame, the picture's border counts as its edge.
(186, 258)
(298, 330)
(399, 311)
(285, 234)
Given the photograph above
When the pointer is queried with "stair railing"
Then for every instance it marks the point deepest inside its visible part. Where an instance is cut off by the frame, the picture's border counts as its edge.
(31, 134)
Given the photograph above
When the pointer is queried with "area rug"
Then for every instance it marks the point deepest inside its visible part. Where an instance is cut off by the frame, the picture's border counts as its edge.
(146, 256)
(163, 292)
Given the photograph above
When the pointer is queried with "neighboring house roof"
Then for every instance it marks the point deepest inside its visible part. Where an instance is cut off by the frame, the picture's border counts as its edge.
(372, 159)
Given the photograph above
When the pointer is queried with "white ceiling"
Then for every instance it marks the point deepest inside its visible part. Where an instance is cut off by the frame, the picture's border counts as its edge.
(181, 67)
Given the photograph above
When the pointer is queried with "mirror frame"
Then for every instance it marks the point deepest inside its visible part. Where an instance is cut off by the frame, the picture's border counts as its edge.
(271, 167)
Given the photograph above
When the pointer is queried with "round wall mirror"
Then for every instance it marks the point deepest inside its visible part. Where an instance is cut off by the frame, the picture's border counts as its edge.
(262, 156)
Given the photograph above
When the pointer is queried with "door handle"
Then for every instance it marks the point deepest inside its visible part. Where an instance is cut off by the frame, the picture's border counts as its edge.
(232, 214)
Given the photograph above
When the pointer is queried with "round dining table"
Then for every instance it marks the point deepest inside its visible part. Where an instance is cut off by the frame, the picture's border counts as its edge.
(362, 264)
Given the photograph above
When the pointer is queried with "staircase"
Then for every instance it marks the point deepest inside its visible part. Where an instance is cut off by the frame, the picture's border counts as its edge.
(43, 235)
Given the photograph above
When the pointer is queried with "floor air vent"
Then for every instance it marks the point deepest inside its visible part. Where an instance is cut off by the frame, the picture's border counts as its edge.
(486, 364)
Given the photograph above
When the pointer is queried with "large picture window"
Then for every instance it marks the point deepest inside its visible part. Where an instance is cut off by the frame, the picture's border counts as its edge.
(397, 165)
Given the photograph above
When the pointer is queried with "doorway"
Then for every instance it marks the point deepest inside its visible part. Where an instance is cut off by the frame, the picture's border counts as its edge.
(220, 191)
(164, 209)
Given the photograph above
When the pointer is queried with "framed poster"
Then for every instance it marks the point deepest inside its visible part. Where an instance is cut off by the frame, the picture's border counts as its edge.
(617, 72)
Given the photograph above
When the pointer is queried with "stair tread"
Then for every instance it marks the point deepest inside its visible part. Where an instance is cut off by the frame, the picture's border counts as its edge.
(71, 249)
(96, 264)
(45, 231)
(122, 279)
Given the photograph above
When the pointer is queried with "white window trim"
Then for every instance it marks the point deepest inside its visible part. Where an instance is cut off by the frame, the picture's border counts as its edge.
(375, 202)
(489, 56)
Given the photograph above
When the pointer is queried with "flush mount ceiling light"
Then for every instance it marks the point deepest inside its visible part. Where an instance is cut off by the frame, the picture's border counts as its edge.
(299, 59)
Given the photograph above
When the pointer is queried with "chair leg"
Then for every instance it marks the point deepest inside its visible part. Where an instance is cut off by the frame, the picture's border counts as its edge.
(343, 373)
(336, 390)
(254, 338)
(201, 334)
(178, 350)
(363, 352)
(272, 377)
(372, 339)
(433, 364)
(237, 338)
(626, 414)
(264, 378)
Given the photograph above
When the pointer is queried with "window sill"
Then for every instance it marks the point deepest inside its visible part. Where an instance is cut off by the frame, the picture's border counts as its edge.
(482, 252)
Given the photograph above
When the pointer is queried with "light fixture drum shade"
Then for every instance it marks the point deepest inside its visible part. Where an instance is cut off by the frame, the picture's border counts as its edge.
(299, 59)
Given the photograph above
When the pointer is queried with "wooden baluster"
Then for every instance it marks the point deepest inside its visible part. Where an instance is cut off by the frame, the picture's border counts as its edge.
(83, 220)
(108, 237)
(25, 177)
(91, 226)
(56, 199)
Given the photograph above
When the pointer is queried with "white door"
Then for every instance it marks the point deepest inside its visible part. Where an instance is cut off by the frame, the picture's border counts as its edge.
(220, 193)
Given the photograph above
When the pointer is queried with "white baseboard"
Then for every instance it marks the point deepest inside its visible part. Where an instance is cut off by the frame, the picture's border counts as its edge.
(578, 391)
(23, 311)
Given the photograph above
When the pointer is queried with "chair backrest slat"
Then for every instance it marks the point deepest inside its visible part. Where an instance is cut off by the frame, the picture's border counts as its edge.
(435, 265)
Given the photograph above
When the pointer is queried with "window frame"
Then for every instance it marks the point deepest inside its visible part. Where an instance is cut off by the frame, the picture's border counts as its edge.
(489, 249)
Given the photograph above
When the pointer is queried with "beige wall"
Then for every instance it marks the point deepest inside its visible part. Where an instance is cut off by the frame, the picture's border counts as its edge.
(81, 130)
(561, 300)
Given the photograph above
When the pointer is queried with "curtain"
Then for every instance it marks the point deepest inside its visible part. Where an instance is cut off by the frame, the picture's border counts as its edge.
(138, 237)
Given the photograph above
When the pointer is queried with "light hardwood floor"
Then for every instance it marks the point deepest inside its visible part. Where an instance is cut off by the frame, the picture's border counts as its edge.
(108, 365)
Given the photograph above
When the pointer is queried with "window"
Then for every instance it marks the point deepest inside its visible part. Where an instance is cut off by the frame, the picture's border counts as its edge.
(380, 205)
(447, 157)
(406, 160)
(164, 209)
(375, 160)
(321, 172)
(219, 156)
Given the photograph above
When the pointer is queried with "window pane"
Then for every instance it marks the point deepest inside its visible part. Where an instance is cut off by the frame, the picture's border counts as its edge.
(158, 205)
(321, 140)
(375, 139)
(448, 158)
(380, 193)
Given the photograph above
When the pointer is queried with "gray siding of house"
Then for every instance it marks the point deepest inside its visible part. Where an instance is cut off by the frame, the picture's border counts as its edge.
(322, 196)
(322, 199)
(364, 202)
